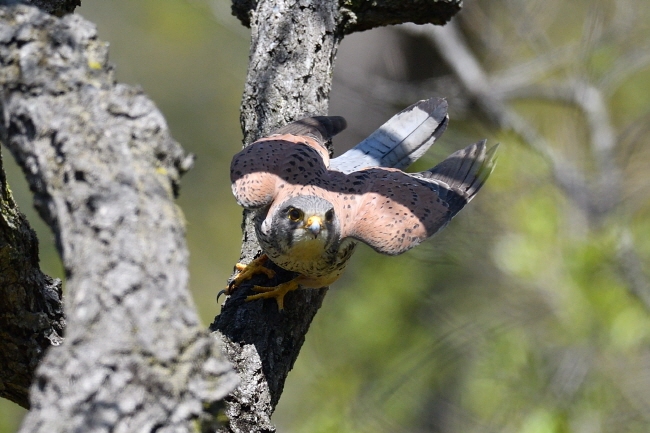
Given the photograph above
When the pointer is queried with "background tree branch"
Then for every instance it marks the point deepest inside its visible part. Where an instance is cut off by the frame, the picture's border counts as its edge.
(598, 194)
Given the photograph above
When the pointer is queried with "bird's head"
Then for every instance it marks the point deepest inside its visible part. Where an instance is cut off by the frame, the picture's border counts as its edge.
(307, 223)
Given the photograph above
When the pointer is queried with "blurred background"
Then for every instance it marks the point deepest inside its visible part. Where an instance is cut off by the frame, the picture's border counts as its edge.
(530, 312)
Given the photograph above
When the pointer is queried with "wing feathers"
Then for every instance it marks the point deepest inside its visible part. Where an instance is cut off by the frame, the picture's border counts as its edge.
(388, 209)
(400, 141)
(401, 210)
(321, 128)
(462, 174)
(255, 172)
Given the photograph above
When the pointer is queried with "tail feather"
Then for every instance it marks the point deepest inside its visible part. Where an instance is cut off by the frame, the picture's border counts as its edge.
(400, 141)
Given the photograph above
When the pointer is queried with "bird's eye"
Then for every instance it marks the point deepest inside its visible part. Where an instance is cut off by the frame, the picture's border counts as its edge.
(295, 214)
(329, 215)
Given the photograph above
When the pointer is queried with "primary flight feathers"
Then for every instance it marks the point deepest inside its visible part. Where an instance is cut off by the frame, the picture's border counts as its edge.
(399, 142)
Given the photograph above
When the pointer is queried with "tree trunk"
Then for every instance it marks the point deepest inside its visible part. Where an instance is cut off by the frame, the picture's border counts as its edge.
(104, 170)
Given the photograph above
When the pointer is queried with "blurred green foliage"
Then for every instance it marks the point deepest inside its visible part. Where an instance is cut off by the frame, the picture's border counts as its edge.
(519, 316)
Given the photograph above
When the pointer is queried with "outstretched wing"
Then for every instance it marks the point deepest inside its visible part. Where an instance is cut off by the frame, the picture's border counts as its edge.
(400, 141)
(295, 153)
(397, 211)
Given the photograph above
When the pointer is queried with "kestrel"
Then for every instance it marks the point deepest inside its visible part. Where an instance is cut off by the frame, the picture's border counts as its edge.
(310, 212)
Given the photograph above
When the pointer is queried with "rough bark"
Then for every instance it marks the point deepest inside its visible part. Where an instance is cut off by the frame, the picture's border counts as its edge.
(104, 171)
(359, 15)
(31, 310)
(293, 47)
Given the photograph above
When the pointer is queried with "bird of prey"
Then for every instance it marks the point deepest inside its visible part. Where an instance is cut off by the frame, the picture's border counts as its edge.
(311, 211)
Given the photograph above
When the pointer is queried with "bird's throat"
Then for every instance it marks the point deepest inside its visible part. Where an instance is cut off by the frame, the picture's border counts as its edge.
(308, 249)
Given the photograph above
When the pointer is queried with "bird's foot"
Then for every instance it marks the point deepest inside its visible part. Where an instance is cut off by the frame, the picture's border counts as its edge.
(246, 272)
(276, 292)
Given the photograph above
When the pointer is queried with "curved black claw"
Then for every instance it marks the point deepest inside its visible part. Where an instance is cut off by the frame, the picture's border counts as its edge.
(222, 292)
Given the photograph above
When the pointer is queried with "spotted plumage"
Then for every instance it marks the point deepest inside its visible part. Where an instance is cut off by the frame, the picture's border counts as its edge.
(310, 211)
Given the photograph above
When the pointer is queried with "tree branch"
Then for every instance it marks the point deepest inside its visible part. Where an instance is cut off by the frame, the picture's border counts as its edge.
(31, 310)
(474, 80)
(632, 268)
(104, 170)
(293, 45)
(597, 197)
(54, 7)
(360, 15)
(289, 76)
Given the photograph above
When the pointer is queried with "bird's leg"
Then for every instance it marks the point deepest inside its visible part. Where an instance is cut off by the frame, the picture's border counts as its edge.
(276, 292)
(246, 272)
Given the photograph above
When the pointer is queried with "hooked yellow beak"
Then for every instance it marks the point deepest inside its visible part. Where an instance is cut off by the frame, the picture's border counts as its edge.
(314, 224)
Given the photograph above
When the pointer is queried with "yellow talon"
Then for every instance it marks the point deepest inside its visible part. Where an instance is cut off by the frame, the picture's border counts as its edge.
(276, 292)
(246, 272)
